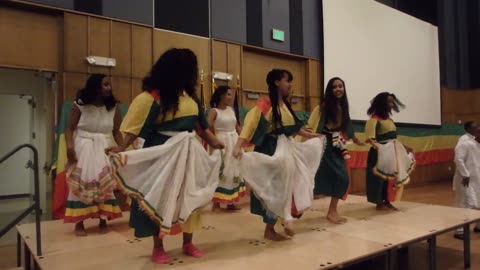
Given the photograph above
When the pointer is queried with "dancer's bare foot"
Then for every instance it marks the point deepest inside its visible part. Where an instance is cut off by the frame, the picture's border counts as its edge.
(335, 218)
(103, 226)
(288, 227)
(318, 197)
(80, 229)
(233, 207)
(216, 207)
(391, 206)
(271, 234)
(382, 207)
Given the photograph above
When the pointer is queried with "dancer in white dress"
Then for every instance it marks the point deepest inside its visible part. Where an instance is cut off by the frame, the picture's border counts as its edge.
(223, 121)
(94, 117)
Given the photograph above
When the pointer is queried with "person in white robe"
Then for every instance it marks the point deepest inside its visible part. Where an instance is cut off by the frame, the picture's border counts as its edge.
(466, 182)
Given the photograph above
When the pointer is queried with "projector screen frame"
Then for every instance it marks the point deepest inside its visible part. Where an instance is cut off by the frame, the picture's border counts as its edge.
(399, 124)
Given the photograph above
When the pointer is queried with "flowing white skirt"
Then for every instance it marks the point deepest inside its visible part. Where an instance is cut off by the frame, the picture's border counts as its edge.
(231, 176)
(171, 180)
(90, 179)
(394, 163)
(288, 174)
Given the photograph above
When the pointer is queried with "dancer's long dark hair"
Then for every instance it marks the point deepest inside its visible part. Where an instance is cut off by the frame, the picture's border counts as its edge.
(272, 76)
(379, 105)
(329, 104)
(93, 91)
(221, 91)
(174, 72)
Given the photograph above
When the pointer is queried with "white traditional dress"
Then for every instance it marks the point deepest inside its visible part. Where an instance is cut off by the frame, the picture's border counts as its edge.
(281, 171)
(90, 181)
(171, 176)
(231, 186)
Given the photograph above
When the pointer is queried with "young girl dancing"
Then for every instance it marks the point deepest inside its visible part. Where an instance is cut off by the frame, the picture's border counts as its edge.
(332, 118)
(389, 162)
(224, 121)
(281, 171)
(94, 117)
(171, 176)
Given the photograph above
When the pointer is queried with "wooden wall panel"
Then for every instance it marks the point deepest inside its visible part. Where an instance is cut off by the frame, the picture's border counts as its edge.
(234, 67)
(234, 55)
(432, 173)
(122, 89)
(220, 56)
(250, 103)
(72, 82)
(142, 51)
(314, 79)
(75, 38)
(121, 49)
(256, 65)
(227, 58)
(60, 91)
(311, 103)
(357, 181)
(460, 105)
(136, 87)
(163, 40)
(457, 101)
(314, 86)
(29, 40)
(298, 104)
(99, 41)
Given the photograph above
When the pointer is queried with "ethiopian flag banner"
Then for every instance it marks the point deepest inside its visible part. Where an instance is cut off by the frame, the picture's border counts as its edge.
(431, 145)
(60, 192)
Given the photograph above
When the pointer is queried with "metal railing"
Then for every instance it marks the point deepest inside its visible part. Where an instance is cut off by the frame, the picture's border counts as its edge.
(35, 207)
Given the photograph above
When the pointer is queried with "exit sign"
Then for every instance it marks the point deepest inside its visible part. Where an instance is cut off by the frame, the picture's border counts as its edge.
(278, 35)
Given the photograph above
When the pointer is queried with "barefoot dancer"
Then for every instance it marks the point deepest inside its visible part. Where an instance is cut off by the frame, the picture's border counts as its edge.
(172, 176)
(388, 164)
(224, 121)
(280, 171)
(95, 115)
(332, 119)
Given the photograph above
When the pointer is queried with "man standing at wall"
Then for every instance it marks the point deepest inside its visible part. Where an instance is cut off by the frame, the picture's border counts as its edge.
(466, 181)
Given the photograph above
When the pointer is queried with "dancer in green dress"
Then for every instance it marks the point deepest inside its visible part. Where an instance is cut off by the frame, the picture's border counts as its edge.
(332, 118)
(271, 119)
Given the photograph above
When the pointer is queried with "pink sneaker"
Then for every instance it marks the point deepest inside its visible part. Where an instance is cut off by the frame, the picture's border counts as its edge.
(191, 250)
(159, 256)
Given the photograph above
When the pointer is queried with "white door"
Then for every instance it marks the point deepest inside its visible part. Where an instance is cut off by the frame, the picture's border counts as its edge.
(16, 113)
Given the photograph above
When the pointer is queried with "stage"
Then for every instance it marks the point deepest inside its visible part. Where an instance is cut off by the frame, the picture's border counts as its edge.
(234, 240)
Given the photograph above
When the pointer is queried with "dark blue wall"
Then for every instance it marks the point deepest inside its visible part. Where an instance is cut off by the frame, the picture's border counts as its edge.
(229, 20)
(241, 21)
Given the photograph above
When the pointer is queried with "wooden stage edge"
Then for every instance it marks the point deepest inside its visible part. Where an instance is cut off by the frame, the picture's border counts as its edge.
(235, 239)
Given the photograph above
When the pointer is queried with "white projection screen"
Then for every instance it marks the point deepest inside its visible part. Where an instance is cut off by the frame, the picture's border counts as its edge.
(375, 48)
